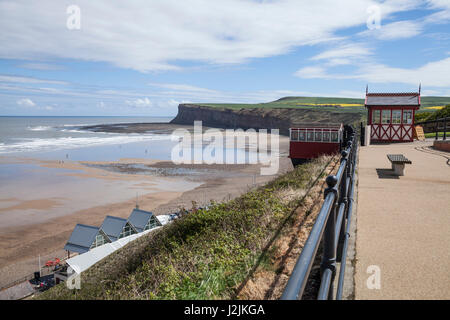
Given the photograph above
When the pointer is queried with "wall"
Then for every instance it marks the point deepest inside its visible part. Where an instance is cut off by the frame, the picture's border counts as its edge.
(442, 145)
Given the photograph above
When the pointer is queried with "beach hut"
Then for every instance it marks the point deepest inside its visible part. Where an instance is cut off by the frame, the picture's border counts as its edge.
(116, 228)
(85, 238)
(391, 115)
(143, 220)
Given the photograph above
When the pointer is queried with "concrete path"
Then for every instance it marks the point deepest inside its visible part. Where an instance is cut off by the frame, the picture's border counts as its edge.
(17, 292)
(403, 225)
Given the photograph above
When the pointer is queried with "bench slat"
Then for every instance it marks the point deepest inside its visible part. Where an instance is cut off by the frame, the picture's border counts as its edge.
(398, 158)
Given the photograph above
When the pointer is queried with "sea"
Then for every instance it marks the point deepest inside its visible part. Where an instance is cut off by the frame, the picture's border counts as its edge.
(62, 138)
(27, 142)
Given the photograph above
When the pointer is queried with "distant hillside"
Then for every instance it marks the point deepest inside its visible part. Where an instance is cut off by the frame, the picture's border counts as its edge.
(281, 118)
(324, 103)
(285, 112)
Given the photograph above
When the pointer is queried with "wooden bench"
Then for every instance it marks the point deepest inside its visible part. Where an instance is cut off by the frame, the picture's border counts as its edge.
(398, 163)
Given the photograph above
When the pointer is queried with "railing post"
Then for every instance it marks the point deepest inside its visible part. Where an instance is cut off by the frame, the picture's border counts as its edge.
(343, 199)
(445, 129)
(329, 246)
(437, 129)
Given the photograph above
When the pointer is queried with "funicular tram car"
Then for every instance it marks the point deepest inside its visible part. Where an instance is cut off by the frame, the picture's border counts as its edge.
(309, 141)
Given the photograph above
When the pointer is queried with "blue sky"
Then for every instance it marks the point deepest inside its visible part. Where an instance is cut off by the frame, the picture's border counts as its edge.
(146, 57)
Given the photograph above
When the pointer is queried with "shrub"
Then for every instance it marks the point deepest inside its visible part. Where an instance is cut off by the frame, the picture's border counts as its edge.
(205, 254)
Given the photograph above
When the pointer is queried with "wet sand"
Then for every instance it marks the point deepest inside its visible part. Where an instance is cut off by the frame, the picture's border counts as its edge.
(23, 243)
(156, 127)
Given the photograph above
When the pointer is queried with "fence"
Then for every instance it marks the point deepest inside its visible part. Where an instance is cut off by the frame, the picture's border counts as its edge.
(436, 126)
(333, 225)
(43, 272)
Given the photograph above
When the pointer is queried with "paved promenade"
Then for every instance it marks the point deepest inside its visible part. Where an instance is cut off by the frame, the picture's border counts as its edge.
(403, 225)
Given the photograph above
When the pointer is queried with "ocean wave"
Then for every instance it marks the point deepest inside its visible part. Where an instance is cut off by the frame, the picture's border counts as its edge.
(73, 130)
(77, 125)
(39, 144)
(40, 128)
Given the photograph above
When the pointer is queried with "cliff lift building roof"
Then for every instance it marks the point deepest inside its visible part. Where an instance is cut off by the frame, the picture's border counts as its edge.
(116, 228)
(392, 99)
(143, 220)
(85, 237)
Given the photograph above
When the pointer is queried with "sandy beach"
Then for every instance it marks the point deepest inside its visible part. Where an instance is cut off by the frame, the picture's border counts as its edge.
(42, 224)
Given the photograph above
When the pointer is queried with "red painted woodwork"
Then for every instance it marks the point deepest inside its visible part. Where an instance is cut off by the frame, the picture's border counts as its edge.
(310, 150)
(390, 102)
(390, 132)
(311, 141)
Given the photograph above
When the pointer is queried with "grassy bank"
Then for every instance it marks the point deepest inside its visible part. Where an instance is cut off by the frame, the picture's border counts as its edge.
(428, 104)
(440, 134)
(205, 254)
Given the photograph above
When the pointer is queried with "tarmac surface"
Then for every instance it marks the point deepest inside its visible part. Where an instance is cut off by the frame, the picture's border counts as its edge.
(403, 225)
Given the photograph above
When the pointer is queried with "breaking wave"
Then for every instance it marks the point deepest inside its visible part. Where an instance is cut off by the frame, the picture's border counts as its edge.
(46, 144)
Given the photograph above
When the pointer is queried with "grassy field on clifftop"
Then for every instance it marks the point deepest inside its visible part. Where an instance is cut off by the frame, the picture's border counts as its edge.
(325, 103)
(203, 255)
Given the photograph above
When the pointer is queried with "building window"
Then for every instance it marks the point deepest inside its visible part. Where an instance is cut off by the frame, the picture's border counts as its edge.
(334, 136)
(127, 231)
(376, 116)
(294, 135)
(301, 135)
(407, 116)
(152, 223)
(396, 116)
(99, 241)
(386, 116)
(318, 136)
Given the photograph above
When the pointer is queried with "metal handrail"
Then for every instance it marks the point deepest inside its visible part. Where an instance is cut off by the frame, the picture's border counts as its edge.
(347, 231)
(333, 225)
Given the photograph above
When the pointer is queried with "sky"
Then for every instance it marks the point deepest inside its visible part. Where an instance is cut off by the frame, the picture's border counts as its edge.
(144, 57)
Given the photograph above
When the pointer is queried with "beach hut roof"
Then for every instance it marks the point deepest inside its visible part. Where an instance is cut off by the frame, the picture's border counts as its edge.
(81, 238)
(113, 226)
(139, 218)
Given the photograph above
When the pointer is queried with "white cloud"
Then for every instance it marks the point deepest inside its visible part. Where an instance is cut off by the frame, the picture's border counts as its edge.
(428, 92)
(433, 74)
(40, 66)
(175, 103)
(311, 72)
(439, 4)
(154, 35)
(26, 102)
(349, 51)
(395, 30)
(20, 79)
(139, 103)
(181, 87)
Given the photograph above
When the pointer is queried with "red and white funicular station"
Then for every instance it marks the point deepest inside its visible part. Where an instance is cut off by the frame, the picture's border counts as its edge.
(391, 115)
